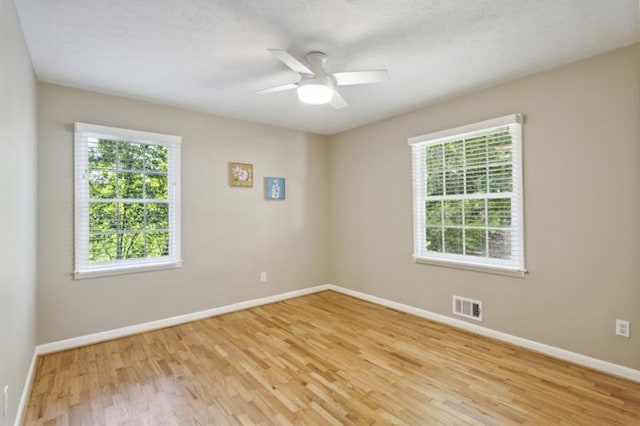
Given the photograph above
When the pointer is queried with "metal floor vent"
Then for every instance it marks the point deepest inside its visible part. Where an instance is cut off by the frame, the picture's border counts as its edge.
(467, 308)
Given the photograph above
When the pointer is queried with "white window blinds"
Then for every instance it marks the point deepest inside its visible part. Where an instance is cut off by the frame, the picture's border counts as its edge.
(467, 195)
(127, 201)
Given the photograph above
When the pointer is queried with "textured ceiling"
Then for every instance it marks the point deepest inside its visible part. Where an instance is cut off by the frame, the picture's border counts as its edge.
(211, 55)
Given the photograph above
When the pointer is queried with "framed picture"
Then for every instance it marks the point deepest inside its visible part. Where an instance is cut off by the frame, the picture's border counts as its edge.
(274, 188)
(241, 174)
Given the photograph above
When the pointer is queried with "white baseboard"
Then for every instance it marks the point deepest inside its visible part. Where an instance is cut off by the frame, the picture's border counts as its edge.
(563, 354)
(573, 357)
(26, 390)
(89, 339)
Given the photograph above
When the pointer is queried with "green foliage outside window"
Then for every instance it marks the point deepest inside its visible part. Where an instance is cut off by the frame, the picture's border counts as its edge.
(128, 207)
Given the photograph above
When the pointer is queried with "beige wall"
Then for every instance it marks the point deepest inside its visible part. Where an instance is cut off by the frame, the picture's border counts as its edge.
(229, 235)
(17, 208)
(582, 209)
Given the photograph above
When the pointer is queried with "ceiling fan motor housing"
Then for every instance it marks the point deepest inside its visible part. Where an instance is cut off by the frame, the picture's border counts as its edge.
(316, 61)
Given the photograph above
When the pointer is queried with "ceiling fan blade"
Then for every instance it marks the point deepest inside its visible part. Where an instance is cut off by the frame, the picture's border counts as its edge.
(337, 101)
(290, 61)
(278, 88)
(360, 77)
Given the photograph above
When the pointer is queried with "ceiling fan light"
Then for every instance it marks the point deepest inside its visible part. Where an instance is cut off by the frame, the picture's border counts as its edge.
(315, 93)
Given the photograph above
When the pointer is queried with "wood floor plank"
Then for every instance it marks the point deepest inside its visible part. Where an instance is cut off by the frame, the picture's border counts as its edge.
(325, 358)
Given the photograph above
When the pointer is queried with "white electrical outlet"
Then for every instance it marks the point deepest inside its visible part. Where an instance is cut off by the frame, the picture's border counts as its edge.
(263, 276)
(622, 328)
(5, 400)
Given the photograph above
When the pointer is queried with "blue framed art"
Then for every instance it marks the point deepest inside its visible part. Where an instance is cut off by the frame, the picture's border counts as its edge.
(274, 188)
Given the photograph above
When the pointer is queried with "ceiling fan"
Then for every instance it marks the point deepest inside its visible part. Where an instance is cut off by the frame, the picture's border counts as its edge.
(316, 86)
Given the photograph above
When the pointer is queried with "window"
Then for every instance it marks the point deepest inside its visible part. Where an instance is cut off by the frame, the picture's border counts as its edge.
(127, 201)
(467, 196)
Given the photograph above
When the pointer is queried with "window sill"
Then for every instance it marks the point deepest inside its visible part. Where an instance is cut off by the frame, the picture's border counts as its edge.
(487, 269)
(123, 270)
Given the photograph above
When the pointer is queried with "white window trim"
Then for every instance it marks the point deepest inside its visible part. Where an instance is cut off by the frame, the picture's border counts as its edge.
(495, 266)
(83, 269)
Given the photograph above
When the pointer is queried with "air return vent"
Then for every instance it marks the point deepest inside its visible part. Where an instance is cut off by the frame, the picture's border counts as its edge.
(467, 308)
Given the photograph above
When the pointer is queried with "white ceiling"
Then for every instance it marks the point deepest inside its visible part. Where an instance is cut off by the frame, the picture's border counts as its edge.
(211, 55)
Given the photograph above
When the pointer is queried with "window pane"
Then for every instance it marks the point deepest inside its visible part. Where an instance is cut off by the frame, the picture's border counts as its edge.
(130, 185)
(475, 242)
(476, 180)
(157, 216)
(102, 183)
(500, 244)
(157, 158)
(434, 212)
(454, 182)
(434, 239)
(454, 168)
(434, 158)
(157, 244)
(474, 213)
(102, 248)
(103, 217)
(453, 240)
(133, 245)
(434, 183)
(102, 154)
(454, 155)
(499, 211)
(452, 212)
(500, 178)
(435, 170)
(499, 147)
(475, 151)
(132, 155)
(132, 216)
(157, 187)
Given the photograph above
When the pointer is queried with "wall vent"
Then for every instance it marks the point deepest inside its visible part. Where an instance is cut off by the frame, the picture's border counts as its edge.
(467, 308)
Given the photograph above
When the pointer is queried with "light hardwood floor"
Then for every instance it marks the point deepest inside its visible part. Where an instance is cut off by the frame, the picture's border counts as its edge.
(321, 359)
